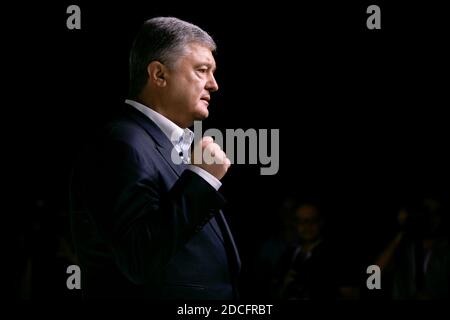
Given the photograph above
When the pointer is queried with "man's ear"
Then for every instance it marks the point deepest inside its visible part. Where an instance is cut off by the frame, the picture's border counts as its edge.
(156, 73)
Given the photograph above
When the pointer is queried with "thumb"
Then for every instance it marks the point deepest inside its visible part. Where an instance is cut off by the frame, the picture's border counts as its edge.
(206, 140)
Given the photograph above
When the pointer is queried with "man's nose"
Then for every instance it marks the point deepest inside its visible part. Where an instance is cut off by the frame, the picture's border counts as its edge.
(211, 84)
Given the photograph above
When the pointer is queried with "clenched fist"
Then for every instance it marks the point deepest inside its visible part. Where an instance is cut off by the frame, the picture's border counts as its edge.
(210, 157)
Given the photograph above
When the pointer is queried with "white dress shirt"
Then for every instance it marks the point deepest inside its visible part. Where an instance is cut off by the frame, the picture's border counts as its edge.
(175, 133)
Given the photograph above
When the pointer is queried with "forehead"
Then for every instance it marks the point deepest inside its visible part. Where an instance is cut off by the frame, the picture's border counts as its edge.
(198, 53)
(307, 211)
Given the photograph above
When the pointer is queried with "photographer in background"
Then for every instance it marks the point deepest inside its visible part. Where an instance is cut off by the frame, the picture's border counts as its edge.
(416, 263)
(314, 267)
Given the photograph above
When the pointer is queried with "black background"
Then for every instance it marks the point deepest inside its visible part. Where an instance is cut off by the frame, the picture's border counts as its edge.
(362, 113)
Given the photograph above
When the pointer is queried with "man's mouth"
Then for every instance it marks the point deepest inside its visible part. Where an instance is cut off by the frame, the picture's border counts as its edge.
(205, 99)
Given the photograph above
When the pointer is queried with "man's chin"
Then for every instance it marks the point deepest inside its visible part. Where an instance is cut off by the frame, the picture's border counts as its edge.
(202, 115)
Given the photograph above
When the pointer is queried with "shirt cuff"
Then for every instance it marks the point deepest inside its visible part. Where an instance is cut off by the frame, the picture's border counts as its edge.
(213, 181)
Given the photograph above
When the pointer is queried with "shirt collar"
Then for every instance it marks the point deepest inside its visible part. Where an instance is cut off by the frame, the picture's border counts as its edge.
(172, 131)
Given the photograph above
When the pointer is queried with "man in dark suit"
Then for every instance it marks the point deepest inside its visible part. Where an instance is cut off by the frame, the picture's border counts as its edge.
(146, 218)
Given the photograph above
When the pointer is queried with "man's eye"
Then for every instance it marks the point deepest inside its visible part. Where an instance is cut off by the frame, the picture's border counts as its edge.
(203, 70)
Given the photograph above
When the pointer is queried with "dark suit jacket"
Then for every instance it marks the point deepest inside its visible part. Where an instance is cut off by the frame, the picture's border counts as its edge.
(144, 227)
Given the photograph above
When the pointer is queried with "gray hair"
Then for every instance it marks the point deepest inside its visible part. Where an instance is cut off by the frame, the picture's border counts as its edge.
(162, 39)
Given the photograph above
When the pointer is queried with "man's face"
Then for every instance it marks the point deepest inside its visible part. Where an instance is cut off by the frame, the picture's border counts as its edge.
(189, 84)
(308, 223)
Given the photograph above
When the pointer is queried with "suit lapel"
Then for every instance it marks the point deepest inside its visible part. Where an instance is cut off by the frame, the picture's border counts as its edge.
(167, 155)
(216, 229)
(229, 238)
(163, 144)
